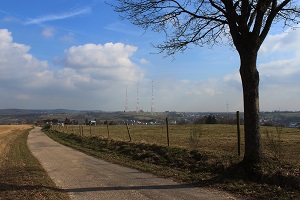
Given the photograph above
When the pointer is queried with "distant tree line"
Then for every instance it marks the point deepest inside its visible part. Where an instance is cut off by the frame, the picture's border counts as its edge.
(212, 119)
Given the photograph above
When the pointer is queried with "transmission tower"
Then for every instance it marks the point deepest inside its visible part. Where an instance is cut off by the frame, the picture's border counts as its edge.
(137, 98)
(126, 101)
(152, 100)
(227, 108)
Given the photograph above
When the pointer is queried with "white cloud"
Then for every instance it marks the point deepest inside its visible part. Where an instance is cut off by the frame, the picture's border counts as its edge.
(280, 68)
(15, 60)
(284, 51)
(68, 38)
(282, 42)
(279, 71)
(122, 28)
(209, 95)
(48, 32)
(144, 61)
(233, 81)
(60, 16)
(110, 61)
(93, 76)
(9, 19)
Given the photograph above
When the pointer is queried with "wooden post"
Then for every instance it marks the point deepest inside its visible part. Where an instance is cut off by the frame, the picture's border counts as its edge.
(90, 130)
(107, 129)
(167, 124)
(128, 131)
(238, 131)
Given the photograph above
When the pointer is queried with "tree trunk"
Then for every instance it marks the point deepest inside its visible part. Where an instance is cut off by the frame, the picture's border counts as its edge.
(250, 82)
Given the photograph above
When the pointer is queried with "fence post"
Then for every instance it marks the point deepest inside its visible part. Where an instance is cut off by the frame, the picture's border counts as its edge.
(167, 124)
(107, 129)
(90, 130)
(238, 131)
(128, 131)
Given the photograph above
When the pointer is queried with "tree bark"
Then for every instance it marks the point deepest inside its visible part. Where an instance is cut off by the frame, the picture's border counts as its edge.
(250, 82)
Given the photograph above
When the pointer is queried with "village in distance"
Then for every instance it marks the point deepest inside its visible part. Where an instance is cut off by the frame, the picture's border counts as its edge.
(29, 116)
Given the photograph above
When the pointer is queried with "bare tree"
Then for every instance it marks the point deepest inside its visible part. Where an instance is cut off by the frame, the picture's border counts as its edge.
(244, 23)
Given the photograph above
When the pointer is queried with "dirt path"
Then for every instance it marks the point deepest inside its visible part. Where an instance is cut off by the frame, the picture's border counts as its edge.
(85, 177)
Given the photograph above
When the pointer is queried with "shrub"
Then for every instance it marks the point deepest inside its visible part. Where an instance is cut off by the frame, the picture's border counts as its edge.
(195, 135)
(46, 127)
(273, 142)
(211, 119)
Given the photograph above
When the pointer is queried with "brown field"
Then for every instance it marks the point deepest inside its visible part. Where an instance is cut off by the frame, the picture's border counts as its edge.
(7, 134)
(215, 139)
(10, 128)
(21, 175)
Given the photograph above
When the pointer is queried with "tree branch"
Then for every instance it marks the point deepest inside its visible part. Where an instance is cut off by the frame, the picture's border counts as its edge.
(201, 22)
(274, 11)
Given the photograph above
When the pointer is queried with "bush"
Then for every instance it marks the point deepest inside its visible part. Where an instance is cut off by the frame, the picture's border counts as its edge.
(273, 142)
(46, 127)
(195, 134)
(211, 119)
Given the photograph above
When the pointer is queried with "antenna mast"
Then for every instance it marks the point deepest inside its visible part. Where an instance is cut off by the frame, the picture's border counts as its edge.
(227, 108)
(126, 101)
(137, 98)
(152, 100)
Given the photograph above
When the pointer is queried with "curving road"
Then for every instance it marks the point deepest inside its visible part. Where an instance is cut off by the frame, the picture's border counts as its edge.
(86, 177)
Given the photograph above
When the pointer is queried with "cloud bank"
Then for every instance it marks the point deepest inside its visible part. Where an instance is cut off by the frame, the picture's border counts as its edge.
(95, 76)
(90, 76)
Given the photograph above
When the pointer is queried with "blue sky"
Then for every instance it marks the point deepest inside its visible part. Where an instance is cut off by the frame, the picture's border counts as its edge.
(80, 55)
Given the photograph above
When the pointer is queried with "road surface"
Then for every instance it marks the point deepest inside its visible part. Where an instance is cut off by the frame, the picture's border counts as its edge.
(86, 177)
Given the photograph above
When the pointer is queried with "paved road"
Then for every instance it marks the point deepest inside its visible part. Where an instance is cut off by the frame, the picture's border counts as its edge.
(85, 177)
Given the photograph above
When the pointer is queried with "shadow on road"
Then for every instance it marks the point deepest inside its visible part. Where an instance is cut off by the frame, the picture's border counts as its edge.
(14, 187)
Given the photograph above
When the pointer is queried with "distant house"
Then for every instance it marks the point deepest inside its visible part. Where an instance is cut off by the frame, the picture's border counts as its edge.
(294, 125)
(93, 123)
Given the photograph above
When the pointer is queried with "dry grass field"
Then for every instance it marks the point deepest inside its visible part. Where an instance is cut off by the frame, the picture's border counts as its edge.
(216, 139)
(8, 133)
(21, 175)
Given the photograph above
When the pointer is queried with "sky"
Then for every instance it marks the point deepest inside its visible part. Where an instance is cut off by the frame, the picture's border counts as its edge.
(81, 55)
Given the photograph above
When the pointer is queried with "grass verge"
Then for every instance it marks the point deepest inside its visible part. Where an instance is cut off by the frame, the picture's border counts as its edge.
(21, 175)
(190, 166)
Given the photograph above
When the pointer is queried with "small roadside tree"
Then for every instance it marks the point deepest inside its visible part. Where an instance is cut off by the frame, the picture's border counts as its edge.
(245, 22)
(211, 119)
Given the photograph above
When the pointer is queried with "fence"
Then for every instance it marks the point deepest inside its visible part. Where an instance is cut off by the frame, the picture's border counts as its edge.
(220, 138)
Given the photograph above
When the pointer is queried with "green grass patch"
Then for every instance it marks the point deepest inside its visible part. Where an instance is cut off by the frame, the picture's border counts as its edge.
(203, 167)
(22, 176)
